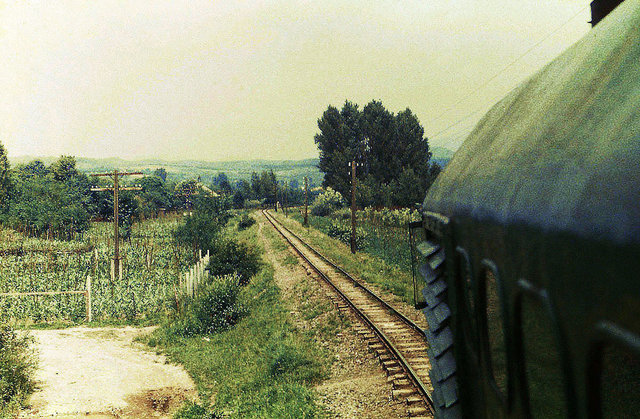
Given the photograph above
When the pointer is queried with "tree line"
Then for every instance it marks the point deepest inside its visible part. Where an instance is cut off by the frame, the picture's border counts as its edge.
(391, 152)
(56, 200)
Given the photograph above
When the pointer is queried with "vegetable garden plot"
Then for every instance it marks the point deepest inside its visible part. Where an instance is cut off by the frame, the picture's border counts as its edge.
(152, 262)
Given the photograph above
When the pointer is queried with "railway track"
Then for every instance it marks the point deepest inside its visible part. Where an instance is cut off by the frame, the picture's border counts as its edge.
(399, 343)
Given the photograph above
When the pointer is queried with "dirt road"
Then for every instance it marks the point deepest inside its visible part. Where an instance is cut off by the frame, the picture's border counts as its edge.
(101, 372)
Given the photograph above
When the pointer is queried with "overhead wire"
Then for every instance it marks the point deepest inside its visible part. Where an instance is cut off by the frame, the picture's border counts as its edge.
(486, 83)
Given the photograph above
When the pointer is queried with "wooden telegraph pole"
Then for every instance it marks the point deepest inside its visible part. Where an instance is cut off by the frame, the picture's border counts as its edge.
(353, 206)
(284, 199)
(275, 188)
(116, 188)
(306, 201)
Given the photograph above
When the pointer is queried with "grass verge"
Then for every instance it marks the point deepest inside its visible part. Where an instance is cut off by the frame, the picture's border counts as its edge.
(263, 366)
(369, 268)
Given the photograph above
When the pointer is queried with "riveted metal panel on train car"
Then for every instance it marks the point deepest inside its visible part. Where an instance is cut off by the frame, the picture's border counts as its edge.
(542, 242)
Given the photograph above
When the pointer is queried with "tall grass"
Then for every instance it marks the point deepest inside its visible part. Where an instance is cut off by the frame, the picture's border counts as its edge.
(17, 364)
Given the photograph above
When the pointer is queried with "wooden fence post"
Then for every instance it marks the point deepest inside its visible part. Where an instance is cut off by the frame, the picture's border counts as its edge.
(95, 262)
(88, 298)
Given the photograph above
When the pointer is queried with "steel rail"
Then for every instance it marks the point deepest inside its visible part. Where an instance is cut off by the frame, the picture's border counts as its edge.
(418, 384)
(357, 283)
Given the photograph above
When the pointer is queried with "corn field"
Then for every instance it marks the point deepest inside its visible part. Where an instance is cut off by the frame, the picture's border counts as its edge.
(151, 265)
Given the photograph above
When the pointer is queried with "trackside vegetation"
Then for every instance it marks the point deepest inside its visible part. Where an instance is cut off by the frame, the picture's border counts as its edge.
(382, 262)
(17, 363)
(237, 342)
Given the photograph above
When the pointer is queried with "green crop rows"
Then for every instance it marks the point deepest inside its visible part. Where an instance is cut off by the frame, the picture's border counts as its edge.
(151, 260)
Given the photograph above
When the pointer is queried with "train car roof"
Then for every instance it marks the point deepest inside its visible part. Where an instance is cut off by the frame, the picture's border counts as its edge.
(561, 151)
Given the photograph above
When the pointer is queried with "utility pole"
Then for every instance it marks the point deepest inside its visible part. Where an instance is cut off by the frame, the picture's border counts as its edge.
(116, 188)
(353, 206)
(285, 194)
(306, 201)
(275, 188)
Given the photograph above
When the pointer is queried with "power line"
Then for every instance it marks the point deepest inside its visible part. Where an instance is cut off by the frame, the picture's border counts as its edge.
(498, 74)
(458, 121)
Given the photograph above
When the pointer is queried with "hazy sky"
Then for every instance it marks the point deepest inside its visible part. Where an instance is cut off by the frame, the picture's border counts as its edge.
(227, 80)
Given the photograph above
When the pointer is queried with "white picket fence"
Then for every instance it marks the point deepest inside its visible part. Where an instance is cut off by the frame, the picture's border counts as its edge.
(196, 274)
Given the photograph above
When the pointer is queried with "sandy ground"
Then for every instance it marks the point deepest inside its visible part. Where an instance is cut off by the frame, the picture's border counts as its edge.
(357, 386)
(102, 373)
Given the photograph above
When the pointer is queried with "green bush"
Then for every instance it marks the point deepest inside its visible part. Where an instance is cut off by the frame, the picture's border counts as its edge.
(205, 225)
(327, 202)
(215, 308)
(17, 365)
(231, 257)
(342, 231)
(245, 222)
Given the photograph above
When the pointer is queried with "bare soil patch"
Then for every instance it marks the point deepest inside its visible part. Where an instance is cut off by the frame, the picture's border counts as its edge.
(103, 373)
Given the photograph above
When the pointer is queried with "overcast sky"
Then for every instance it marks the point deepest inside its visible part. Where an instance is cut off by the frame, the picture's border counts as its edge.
(227, 80)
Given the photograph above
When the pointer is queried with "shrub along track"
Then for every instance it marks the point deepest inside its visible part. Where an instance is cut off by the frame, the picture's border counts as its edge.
(400, 344)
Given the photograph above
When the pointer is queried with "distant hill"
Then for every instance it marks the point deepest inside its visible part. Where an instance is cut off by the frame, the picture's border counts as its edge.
(188, 169)
(441, 155)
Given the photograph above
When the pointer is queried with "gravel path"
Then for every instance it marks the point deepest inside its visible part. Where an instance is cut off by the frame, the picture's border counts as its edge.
(101, 372)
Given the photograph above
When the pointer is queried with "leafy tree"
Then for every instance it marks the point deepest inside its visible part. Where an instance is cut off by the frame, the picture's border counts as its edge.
(412, 148)
(263, 185)
(408, 188)
(341, 139)
(161, 173)
(221, 184)
(255, 185)
(238, 199)
(370, 193)
(185, 192)
(391, 148)
(34, 168)
(154, 195)
(380, 132)
(64, 168)
(244, 187)
(46, 206)
(202, 229)
(327, 202)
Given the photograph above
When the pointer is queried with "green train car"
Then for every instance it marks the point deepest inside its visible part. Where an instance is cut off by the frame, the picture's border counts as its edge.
(531, 250)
